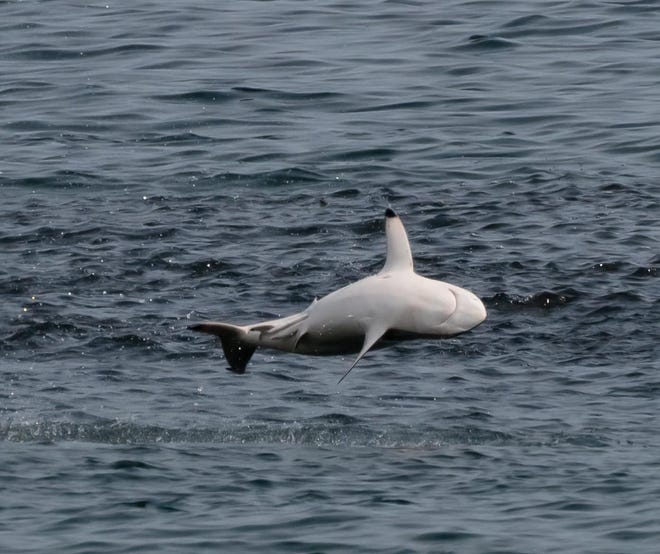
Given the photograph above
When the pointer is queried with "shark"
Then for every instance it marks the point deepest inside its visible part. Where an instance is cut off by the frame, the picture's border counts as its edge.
(393, 305)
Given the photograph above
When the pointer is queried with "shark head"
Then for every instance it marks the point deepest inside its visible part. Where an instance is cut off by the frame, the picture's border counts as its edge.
(468, 312)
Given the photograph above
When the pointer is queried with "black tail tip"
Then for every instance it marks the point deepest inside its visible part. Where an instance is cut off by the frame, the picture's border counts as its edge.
(389, 212)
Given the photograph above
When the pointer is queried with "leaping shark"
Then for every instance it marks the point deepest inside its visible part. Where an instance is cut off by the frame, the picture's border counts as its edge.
(394, 304)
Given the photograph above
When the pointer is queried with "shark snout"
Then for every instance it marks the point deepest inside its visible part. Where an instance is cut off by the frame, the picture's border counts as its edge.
(470, 312)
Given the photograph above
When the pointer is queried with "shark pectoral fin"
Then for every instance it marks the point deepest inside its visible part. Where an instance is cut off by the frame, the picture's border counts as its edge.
(371, 337)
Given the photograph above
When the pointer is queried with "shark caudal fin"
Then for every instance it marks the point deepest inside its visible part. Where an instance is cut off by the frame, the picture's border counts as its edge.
(237, 351)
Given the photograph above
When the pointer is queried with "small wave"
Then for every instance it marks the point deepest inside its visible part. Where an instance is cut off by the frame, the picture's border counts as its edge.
(543, 299)
(487, 42)
(59, 179)
(650, 271)
(337, 419)
(41, 53)
(50, 234)
(286, 95)
(39, 335)
(129, 340)
(411, 105)
(526, 20)
(200, 96)
(608, 267)
(279, 177)
(367, 154)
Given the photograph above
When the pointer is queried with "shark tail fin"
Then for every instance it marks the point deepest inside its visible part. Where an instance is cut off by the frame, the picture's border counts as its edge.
(237, 350)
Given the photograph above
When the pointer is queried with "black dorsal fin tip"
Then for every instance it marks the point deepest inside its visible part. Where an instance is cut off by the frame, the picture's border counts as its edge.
(389, 212)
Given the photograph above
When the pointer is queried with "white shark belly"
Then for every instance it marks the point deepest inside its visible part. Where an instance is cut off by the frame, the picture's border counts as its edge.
(412, 308)
(336, 323)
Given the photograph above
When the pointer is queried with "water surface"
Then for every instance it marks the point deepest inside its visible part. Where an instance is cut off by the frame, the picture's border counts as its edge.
(163, 164)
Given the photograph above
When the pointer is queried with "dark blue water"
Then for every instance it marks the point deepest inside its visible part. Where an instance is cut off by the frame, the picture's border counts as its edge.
(164, 163)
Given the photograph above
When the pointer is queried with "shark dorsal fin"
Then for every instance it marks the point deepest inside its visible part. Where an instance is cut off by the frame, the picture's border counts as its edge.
(399, 256)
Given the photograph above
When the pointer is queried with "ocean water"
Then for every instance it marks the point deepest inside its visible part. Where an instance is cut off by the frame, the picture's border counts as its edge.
(165, 162)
